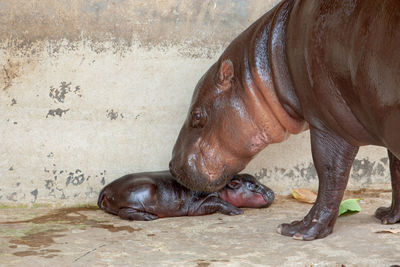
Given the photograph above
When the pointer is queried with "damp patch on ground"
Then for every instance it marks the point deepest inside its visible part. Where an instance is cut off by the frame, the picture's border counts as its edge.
(32, 237)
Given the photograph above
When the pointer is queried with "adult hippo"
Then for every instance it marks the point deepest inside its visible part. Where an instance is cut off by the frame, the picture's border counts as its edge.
(332, 67)
(148, 196)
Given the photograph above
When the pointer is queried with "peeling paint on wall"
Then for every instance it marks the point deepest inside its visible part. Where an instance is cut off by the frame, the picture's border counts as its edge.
(56, 112)
(364, 173)
(113, 115)
(58, 94)
(304, 171)
(207, 23)
(34, 193)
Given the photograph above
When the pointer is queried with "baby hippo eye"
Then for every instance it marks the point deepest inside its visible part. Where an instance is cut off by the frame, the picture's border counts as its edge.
(251, 186)
(234, 185)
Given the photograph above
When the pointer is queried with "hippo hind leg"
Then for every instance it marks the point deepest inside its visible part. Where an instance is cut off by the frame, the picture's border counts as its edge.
(133, 214)
(389, 215)
(106, 205)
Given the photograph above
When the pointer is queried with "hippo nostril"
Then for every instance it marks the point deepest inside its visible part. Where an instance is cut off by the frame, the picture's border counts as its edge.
(270, 195)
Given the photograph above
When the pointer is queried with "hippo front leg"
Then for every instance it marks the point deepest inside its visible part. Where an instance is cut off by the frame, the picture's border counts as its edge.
(333, 157)
(389, 215)
(137, 215)
(215, 204)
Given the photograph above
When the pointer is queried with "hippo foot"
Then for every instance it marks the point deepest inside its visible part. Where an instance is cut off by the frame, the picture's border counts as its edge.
(232, 211)
(388, 215)
(301, 230)
(313, 226)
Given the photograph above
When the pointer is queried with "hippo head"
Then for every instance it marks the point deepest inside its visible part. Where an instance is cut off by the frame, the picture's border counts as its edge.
(245, 191)
(227, 125)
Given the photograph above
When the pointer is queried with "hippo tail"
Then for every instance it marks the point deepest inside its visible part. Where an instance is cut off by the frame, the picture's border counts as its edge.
(102, 194)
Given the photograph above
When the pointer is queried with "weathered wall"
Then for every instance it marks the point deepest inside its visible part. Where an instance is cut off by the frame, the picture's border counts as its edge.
(94, 89)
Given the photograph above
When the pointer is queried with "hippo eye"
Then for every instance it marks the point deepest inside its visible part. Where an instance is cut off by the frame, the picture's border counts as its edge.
(196, 116)
(251, 186)
(197, 119)
(234, 185)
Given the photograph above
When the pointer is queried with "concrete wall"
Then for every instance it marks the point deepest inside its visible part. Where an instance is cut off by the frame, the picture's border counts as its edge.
(94, 89)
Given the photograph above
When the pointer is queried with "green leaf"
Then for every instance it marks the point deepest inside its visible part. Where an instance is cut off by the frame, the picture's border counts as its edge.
(349, 206)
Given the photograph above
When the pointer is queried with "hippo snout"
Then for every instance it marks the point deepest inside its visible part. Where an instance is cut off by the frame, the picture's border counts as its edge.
(268, 195)
(189, 176)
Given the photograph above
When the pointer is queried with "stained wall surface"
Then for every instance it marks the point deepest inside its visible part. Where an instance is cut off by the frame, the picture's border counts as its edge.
(94, 89)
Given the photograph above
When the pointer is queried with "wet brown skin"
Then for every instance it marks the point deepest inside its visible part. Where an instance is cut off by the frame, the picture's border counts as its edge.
(151, 195)
(332, 67)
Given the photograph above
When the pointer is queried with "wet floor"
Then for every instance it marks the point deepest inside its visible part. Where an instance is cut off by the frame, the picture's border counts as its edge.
(86, 236)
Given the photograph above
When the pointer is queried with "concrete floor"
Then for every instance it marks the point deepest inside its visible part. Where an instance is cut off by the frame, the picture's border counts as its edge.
(90, 237)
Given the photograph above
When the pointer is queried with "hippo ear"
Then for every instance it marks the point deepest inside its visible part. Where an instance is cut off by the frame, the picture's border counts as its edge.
(226, 73)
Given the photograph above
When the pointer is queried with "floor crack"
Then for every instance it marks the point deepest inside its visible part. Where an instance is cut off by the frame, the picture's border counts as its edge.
(87, 253)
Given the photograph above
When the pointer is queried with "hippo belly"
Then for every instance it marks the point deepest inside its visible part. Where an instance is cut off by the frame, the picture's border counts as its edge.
(349, 79)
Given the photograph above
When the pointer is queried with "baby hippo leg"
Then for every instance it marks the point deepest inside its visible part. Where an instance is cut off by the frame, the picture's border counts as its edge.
(133, 214)
(214, 204)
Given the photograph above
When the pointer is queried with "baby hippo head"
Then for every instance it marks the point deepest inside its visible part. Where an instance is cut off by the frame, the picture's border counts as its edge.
(245, 191)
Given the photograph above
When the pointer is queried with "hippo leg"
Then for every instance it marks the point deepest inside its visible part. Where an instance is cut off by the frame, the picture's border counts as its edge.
(333, 157)
(389, 215)
(133, 214)
(215, 204)
(107, 206)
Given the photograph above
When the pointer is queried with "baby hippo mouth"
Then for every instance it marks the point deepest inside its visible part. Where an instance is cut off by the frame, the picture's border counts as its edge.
(245, 191)
(261, 198)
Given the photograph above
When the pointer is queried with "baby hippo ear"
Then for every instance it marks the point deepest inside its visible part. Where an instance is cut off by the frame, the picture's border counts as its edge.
(234, 184)
(225, 74)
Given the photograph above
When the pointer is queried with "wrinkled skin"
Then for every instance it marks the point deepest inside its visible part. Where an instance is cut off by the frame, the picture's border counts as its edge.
(328, 66)
(151, 195)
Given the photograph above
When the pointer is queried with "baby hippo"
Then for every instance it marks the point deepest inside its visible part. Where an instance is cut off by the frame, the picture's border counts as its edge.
(151, 195)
